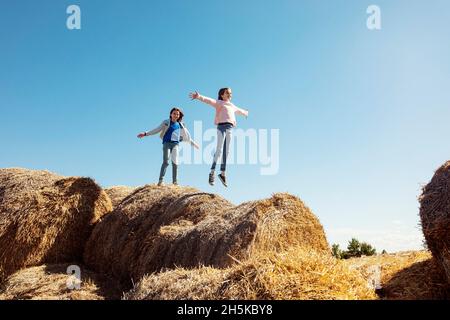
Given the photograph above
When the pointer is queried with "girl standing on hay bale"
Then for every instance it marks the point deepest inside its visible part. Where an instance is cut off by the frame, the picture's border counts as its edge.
(172, 132)
(225, 120)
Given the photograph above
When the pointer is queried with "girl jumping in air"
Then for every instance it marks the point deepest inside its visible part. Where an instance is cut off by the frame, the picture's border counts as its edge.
(225, 120)
(172, 132)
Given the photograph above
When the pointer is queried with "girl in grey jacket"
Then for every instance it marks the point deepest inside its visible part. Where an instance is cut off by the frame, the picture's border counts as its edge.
(172, 131)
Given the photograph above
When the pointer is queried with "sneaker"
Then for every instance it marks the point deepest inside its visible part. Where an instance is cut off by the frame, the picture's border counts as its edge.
(223, 179)
(160, 183)
(175, 183)
(211, 178)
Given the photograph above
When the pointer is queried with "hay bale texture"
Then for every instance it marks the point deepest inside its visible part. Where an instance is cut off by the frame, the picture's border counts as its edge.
(52, 282)
(435, 216)
(164, 227)
(296, 274)
(45, 218)
(118, 193)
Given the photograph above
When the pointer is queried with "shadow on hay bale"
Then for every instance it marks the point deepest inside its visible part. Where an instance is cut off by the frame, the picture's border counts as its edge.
(165, 227)
(421, 281)
(296, 274)
(435, 216)
(45, 218)
(52, 282)
(409, 275)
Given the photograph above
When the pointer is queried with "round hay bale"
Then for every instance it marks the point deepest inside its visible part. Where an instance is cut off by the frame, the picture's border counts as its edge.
(118, 193)
(297, 274)
(164, 227)
(52, 282)
(47, 219)
(14, 181)
(435, 216)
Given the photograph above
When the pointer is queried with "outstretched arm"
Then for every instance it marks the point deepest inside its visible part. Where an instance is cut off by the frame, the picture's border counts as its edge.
(207, 100)
(242, 112)
(151, 132)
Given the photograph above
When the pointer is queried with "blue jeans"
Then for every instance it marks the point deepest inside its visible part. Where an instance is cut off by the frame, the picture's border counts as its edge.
(223, 145)
(169, 149)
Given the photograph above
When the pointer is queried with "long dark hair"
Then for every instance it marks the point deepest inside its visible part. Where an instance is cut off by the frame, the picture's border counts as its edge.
(179, 110)
(221, 92)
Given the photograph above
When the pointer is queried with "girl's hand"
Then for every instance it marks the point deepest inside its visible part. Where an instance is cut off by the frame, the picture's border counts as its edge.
(141, 135)
(194, 95)
(196, 146)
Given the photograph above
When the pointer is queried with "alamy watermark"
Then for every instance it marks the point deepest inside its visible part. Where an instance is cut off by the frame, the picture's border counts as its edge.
(374, 277)
(374, 19)
(251, 146)
(74, 280)
(73, 22)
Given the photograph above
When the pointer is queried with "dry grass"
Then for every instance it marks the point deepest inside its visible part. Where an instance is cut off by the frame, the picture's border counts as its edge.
(435, 216)
(45, 218)
(411, 275)
(164, 227)
(118, 193)
(296, 274)
(50, 282)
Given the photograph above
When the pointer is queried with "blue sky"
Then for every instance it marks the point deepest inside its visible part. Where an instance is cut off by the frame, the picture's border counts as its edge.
(363, 115)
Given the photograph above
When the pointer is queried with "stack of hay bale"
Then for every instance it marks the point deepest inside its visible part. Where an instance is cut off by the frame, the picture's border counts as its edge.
(46, 218)
(179, 243)
(47, 222)
(156, 228)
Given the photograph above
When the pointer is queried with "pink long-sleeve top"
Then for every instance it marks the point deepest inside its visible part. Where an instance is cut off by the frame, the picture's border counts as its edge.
(225, 110)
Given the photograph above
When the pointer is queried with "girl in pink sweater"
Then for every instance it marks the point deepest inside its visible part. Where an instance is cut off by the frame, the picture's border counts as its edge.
(225, 120)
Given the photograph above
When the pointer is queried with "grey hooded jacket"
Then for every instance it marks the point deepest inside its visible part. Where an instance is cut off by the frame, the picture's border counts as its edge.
(162, 129)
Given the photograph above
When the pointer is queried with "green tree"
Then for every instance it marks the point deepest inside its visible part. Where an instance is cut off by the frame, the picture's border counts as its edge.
(367, 250)
(353, 248)
(336, 251)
